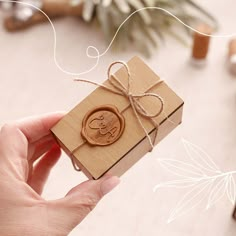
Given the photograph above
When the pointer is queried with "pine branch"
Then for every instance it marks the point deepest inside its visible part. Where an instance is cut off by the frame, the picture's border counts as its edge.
(149, 23)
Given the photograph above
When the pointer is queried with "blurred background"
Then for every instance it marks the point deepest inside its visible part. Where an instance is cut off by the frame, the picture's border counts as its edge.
(31, 84)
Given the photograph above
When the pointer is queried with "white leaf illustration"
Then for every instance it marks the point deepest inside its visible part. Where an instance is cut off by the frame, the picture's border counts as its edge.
(202, 176)
(231, 189)
(181, 168)
(191, 199)
(200, 157)
(183, 183)
(217, 191)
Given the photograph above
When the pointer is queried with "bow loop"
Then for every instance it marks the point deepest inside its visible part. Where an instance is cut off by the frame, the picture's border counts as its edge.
(143, 111)
(116, 82)
(135, 99)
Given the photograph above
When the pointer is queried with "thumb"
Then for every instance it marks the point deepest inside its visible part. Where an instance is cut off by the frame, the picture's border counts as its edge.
(82, 199)
(95, 188)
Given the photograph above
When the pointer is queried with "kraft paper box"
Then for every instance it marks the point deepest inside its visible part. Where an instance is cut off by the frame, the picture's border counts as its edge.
(103, 135)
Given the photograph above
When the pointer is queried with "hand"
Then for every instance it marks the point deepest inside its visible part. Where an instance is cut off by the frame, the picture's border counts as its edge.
(22, 210)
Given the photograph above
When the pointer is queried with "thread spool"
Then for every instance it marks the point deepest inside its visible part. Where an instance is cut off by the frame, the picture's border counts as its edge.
(24, 16)
(12, 24)
(6, 6)
(201, 45)
(62, 8)
(232, 56)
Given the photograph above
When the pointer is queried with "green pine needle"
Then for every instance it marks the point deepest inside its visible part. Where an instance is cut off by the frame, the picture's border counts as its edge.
(146, 28)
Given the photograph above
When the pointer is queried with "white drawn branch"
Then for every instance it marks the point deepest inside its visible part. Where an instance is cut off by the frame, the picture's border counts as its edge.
(202, 176)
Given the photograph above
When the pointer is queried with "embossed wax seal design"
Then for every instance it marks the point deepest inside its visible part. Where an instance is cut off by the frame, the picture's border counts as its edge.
(103, 125)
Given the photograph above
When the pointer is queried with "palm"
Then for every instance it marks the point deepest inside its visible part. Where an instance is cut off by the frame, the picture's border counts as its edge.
(23, 210)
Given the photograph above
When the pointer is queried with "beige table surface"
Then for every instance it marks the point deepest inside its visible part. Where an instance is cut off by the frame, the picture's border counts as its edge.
(31, 84)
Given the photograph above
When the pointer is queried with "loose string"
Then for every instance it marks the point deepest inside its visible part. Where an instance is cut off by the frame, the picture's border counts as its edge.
(73, 161)
(92, 49)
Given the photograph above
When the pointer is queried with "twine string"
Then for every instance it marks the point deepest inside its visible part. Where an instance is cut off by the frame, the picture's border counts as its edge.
(134, 99)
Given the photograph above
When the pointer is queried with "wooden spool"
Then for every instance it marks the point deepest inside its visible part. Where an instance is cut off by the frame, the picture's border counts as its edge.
(51, 7)
(201, 42)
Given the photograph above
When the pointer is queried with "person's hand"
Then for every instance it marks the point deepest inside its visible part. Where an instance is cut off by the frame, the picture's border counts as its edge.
(22, 210)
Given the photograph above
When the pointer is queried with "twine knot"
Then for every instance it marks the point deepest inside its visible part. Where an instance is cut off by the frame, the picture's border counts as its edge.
(134, 99)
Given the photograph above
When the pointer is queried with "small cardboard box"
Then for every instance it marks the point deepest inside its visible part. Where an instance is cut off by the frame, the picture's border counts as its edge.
(96, 150)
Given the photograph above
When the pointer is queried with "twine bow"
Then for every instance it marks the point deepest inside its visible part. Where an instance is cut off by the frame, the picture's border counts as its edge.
(134, 100)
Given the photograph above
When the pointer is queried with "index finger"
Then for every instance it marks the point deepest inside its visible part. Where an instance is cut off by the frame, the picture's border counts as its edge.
(35, 128)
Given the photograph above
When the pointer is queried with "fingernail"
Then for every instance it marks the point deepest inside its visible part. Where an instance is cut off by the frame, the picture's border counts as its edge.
(109, 184)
